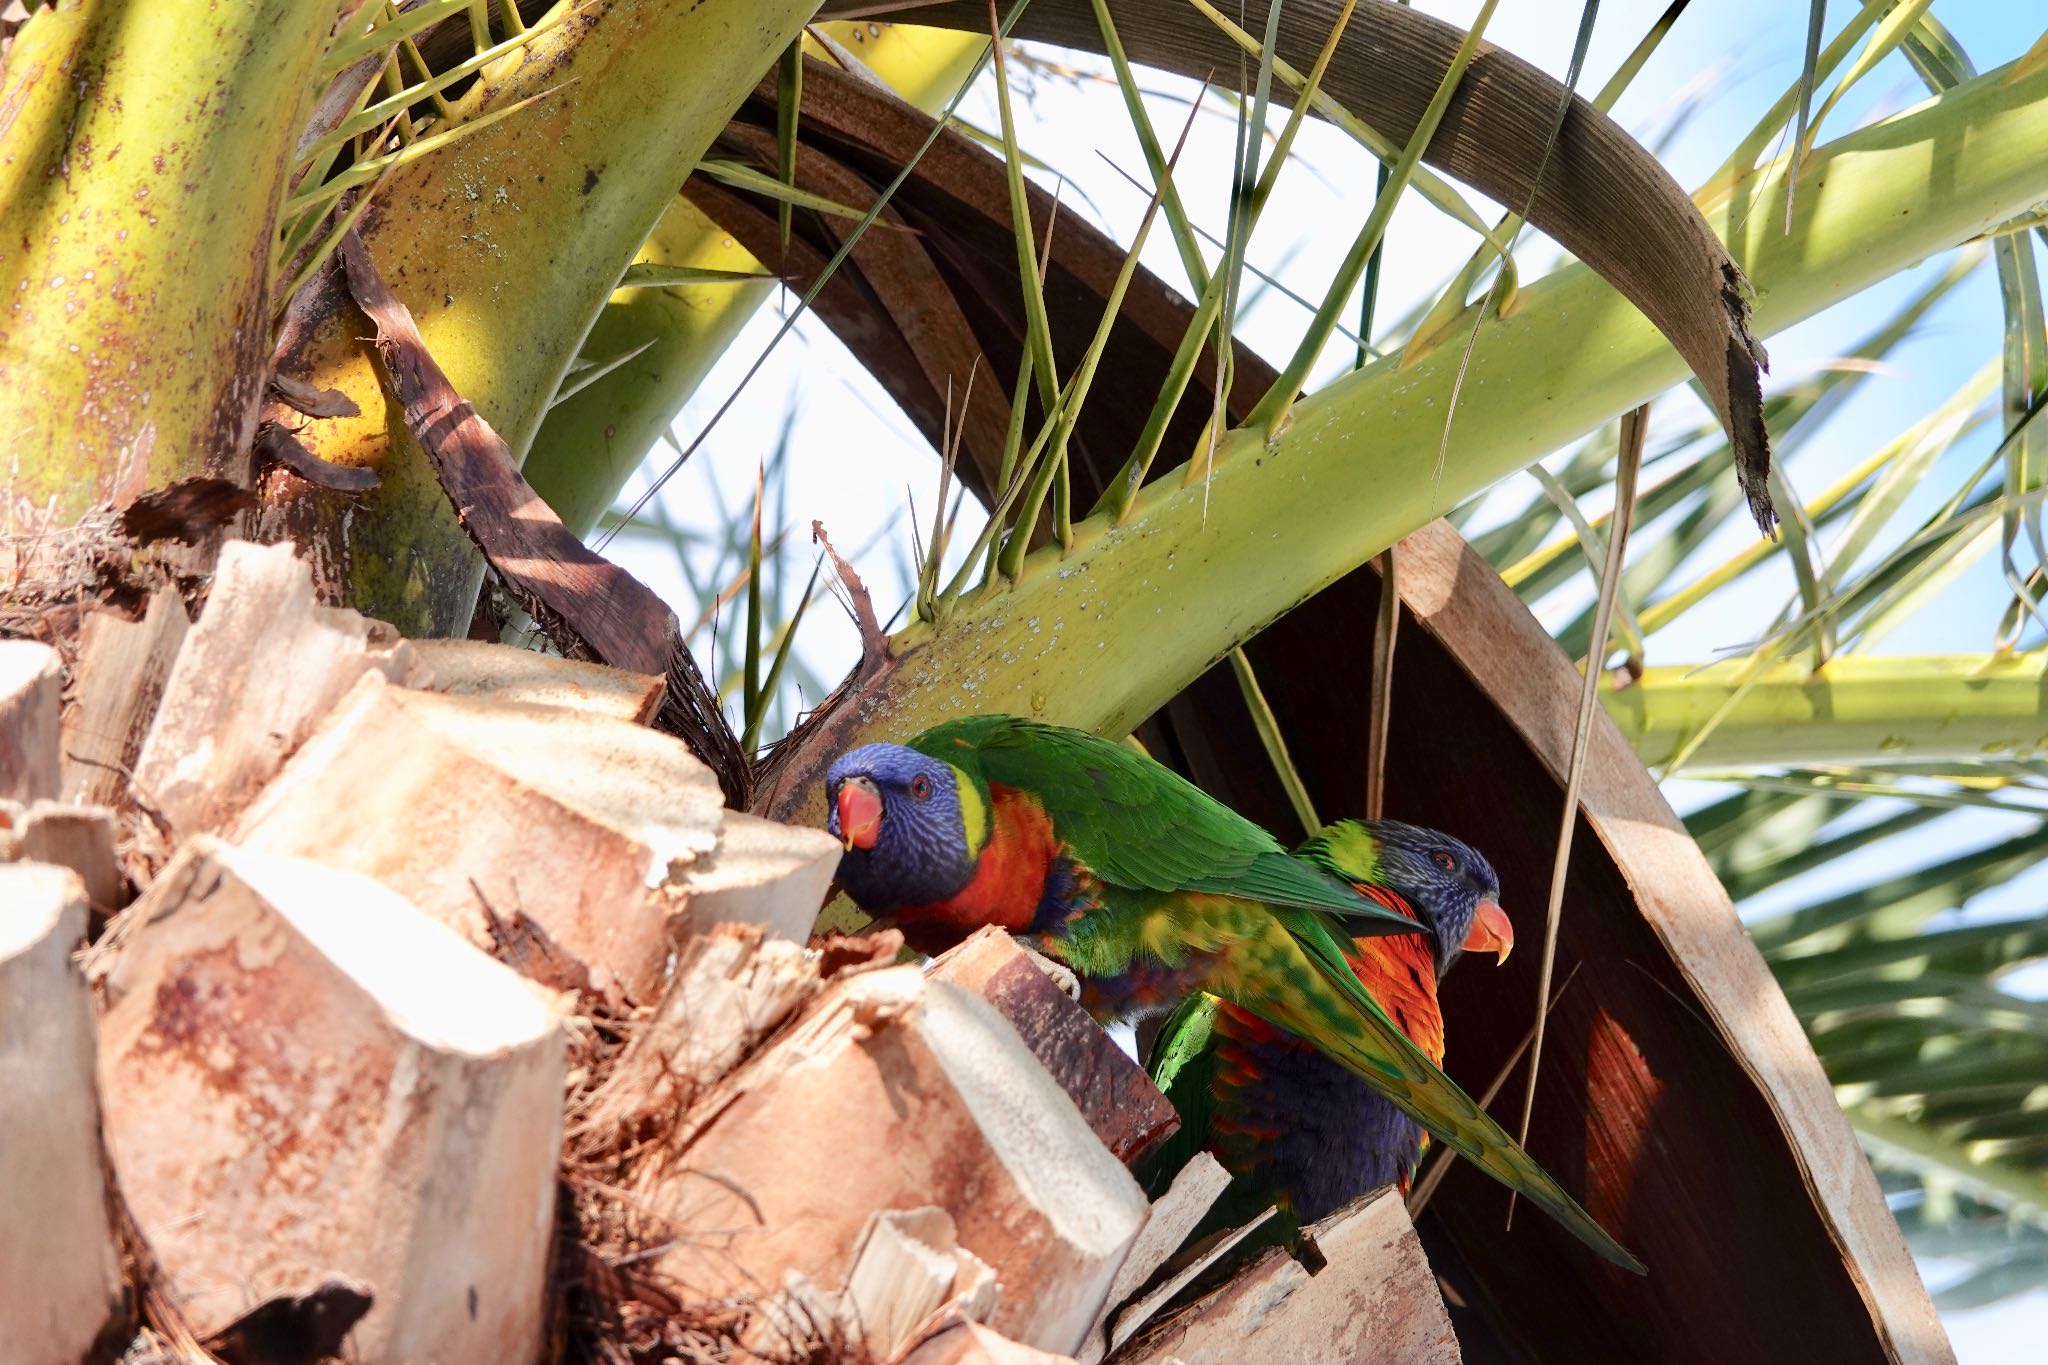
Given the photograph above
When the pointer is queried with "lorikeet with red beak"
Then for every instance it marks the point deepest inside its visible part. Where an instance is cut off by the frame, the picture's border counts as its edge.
(1294, 1128)
(1151, 891)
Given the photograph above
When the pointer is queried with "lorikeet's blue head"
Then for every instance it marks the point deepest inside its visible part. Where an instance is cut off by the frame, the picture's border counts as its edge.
(1448, 883)
(912, 826)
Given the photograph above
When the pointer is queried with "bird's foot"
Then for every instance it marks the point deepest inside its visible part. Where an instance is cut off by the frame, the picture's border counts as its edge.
(1061, 974)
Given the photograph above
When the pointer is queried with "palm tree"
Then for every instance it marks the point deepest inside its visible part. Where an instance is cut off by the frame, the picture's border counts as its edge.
(181, 190)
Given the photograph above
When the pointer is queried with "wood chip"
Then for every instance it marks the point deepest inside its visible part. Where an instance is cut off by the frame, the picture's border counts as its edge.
(80, 838)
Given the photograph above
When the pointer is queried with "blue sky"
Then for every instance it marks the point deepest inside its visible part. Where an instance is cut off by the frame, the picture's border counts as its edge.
(1724, 64)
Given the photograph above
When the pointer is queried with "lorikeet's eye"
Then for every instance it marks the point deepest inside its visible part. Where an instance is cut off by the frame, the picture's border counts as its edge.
(920, 787)
(1443, 860)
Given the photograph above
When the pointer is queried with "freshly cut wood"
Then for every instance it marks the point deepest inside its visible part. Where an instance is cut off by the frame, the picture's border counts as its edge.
(1376, 1299)
(893, 1091)
(620, 831)
(477, 668)
(253, 677)
(60, 1276)
(910, 1278)
(909, 1267)
(80, 838)
(732, 987)
(970, 1343)
(31, 688)
(122, 667)
(1174, 1215)
(309, 1080)
(762, 872)
(1113, 1092)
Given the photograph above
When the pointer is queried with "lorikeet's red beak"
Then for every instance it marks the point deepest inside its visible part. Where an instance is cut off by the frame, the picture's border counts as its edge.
(1491, 931)
(860, 813)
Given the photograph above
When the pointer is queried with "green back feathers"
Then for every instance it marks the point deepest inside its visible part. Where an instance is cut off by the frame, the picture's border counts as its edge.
(1136, 824)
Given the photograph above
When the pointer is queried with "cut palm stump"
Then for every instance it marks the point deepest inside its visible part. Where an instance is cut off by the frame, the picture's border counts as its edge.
(122, 668)
(1375, 1299)
(896, 1092)
(478, 669)
(60, 1276)
(970, 1343)
(308, 1081)
(1113, 1092)
(30, 685)
(623, 843)
(80, 838)
(338, 1126)
(255, 674)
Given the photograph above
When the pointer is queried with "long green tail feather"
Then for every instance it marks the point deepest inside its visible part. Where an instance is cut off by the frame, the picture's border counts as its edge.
(1365, 1040)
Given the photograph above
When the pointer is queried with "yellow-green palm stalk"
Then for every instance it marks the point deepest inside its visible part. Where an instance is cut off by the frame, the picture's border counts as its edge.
(505, 245)
(143, 156)
(1358, 467)
(592, 442)
(1855, 708)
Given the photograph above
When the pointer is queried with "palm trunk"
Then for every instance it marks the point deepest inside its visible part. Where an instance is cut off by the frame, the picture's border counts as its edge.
(147, 148)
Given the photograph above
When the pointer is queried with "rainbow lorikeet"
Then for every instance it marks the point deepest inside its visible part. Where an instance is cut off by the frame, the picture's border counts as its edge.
(1294, 1128)
(1150, 891)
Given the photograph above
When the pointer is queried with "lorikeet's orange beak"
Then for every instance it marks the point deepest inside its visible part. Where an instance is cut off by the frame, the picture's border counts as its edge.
(860, 813)
(1491, 931)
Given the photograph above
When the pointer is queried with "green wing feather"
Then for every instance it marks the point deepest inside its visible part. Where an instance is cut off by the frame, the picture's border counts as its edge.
(1184, 1068)
(1398, 1069)
(1134, 823)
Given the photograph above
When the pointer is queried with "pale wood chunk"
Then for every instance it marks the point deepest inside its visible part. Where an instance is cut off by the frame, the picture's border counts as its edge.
(31, 691)
(604, 834)
(1113, 1092)
(762, 872)
(896, 1092)
(60, 1277)
(80, 838)
(122, 668)
(253, 677)
(732, 987)
(910, 1278)
(970, 1343)
(1376, 1299)
(478, 668)
(1174, 1215)
(308, 1081)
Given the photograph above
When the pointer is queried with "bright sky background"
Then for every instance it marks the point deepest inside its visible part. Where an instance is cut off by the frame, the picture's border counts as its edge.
(1724, 64)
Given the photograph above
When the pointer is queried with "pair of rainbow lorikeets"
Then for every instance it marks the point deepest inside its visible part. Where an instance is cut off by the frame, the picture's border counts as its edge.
(1304, 1047)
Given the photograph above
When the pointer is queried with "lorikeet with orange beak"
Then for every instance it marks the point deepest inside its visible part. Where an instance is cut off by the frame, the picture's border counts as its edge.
(1151, 891)
(1294, 1128)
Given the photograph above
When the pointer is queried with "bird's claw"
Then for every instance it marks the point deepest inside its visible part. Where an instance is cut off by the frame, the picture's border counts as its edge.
(1061, 974)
